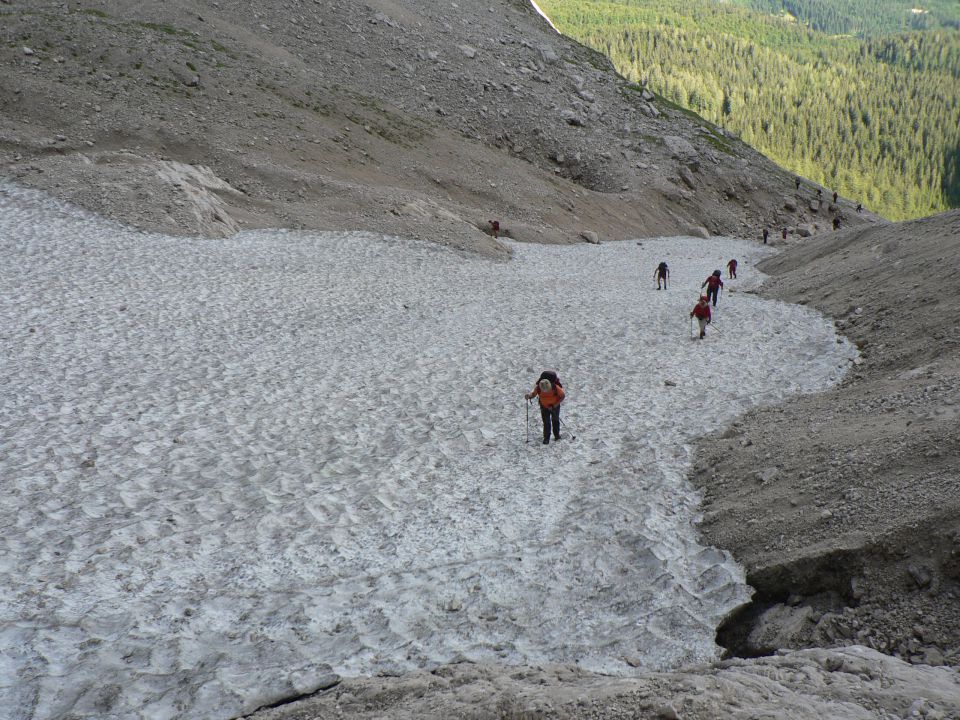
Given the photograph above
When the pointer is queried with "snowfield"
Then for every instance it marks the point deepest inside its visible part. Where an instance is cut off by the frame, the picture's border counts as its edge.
(232, 465)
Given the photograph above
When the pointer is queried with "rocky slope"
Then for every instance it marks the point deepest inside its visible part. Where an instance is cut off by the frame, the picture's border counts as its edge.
(844, 506)
(415, 118)
(400, 116)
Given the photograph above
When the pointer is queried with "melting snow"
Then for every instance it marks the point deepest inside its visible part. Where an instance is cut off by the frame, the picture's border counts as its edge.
(229, 462)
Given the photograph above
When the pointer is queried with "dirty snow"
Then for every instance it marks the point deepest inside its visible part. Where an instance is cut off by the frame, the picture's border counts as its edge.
(229, 463)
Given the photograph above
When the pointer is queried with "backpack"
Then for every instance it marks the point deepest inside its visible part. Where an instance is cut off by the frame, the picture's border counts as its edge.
(550, 375)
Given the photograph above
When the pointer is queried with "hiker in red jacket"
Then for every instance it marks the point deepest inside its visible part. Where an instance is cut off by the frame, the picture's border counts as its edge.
(494, 228)
(732, 269)
(549, 391)
(701, 311)
(713, 283)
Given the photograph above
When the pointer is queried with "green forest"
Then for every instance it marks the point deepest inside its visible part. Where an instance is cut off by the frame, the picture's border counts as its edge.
(871, 113)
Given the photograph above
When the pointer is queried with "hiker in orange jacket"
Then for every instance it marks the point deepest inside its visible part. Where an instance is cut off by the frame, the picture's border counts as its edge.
(549, 391)
(701, 311)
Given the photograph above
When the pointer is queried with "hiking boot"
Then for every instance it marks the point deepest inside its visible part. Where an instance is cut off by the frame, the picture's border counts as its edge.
(546, 441)
(556, 437)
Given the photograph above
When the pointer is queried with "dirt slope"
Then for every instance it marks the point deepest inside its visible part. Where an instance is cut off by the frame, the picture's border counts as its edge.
(400, 116)
(845, 507)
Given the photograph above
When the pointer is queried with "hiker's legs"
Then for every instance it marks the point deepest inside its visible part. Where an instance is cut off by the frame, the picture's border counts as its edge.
(712, 295)
(555, 419)
(703, 327)
(545, 414)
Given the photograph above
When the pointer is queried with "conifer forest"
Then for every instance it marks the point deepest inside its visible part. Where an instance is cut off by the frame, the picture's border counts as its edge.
(860, 96)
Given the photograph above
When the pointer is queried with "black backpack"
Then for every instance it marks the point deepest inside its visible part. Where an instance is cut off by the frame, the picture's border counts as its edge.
(550, 375)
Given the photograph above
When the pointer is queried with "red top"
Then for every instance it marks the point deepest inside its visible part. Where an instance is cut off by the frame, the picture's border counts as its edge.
(701, 310)
(714, 281)
(551, 398)
(732, 263)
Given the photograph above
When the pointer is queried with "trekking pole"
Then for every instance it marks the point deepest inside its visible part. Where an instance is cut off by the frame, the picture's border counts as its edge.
(716, 328)
(566, 427)
(528, 422)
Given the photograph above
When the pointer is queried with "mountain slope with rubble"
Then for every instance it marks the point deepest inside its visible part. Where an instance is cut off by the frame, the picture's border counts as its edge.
(401, 117)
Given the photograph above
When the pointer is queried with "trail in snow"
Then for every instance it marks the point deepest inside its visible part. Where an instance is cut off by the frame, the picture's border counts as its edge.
(228, 462)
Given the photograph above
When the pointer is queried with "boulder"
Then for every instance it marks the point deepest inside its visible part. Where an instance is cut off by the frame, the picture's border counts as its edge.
(590, 236)
(680, 148)
(805, 230)
(698, 231)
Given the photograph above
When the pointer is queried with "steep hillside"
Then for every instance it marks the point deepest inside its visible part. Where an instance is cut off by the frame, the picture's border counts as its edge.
(876, 118)
(844, 506)
(393, 116)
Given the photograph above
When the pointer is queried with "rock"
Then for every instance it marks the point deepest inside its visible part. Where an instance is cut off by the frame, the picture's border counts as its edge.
(805, 230)
(680, 148)
(767, 474)
(780, 626)
(687, 178)
(590, 236)
(455, 605)
(921, 576)
(88, 463)
(193, 81)
(586, 95)
(789, 206)
(548, 55)
(647, 95)
(668, 712)
(933, 656)
(669, 383)
(28, 51)
(698, 231)
(814, 206)
(468, 51)
(572, 117)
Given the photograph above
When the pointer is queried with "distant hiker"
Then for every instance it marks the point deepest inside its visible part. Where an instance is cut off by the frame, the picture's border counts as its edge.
(819, 194)
(549, 392)
(713, 283)
(783, 234)
(701, 311)
(835, 196)
(766, 235)
(662, 273)
(797, 181)
(494, 227)
(836, 222)
(859, 208)
(732, 270)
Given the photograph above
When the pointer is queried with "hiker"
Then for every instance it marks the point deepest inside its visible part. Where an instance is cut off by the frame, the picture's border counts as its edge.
(701, 311)
(797, 181)
(714, 283)
(549, 391)
(783, 234)
(859, 208)
(835, 196)
(732, 269)
(819, 194)
(836, 222)
(662, 273)
(766, 235)
(494, 227)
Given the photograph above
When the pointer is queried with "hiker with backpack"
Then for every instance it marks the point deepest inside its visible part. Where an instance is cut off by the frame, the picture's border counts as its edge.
(549, 391)
(701, 311)
(662, 273)
(732, 269)
(713, 283)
